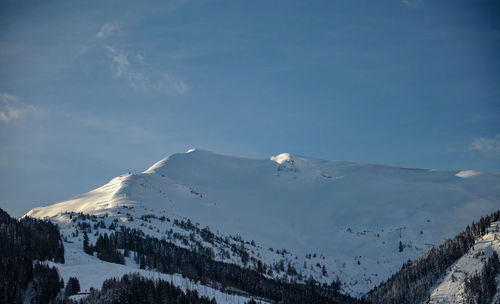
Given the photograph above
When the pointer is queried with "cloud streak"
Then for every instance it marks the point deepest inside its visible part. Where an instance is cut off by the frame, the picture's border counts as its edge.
(411, 3)
(120, 63)
(12, 109)
(130, 65)
(486, 145)
(171, 83)
(123, 68)
(106, 30)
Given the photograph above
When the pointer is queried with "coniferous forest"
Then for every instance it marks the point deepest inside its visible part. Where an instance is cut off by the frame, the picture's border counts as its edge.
(134, 288)
(22, 243)
(415, 279)
(24, 278)
(163, 256)
(481, 287)
(27, 242)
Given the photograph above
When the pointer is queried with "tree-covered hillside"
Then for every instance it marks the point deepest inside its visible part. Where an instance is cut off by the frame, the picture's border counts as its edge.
(24, 243)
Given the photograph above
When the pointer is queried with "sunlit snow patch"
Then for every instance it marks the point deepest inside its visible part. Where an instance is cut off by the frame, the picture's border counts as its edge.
(281, 158)
(467, 173)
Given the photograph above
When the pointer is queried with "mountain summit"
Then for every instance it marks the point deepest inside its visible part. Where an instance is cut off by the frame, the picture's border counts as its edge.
(356, 221)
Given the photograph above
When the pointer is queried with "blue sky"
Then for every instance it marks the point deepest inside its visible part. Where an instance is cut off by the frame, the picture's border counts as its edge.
(91, 90)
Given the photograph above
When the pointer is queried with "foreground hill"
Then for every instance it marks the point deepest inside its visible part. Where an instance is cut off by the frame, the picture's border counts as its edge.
(291, 217)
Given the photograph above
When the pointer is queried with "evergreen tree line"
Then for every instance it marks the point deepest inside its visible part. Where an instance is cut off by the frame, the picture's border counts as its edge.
(105, 249)
(45, 285)
(413, 282)
(72, 287)
(21, 243)
(199, 265)
(133, 288)
(481, 288)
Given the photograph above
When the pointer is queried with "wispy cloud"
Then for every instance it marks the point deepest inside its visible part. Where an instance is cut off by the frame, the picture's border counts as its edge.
(486, 145)
(140, 57)
(123, 68)
(120, 63)
(106, 30)
(169, 82)
(11, 108)
(131, 65)
(411, 3)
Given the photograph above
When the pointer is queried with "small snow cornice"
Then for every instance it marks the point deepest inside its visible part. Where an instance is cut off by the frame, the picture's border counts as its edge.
(468, 173)
(281, 158)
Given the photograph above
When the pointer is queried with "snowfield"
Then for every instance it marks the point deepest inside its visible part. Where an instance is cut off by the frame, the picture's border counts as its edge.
(356, 221)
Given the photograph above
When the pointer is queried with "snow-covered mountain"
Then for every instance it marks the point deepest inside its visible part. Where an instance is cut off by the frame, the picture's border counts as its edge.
(324, 219)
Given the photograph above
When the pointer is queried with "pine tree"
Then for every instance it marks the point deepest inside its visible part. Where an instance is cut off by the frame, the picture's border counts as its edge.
(86, 247)
(142, 262)
(72, 287)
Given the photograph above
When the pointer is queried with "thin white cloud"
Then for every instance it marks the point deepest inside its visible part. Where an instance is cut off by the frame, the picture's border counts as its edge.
(170, 82)
(11, 108)
(411, 3)
(120, 62)
(130, 65)
(486, 145)
(106, 30)
(140, 57)
(122, 68)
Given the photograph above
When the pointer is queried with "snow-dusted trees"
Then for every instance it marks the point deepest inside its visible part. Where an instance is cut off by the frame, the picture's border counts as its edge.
(480, 288)
(136, 289)
(413, 282)
(199, 265)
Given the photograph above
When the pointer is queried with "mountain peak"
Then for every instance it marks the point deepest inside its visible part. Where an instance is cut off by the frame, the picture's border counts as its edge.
(189, 154)
(198, 151)
(281, 158)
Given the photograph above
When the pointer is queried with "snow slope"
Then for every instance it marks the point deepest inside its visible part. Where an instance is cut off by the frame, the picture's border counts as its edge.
(92, 272)
(450, 289)
(346, 216)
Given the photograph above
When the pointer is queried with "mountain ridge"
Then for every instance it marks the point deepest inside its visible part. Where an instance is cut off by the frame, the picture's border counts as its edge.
(352, 216)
